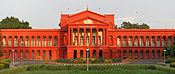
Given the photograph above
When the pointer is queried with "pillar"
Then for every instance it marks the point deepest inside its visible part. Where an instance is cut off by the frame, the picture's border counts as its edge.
(144, 41)
(84, 36)
(107, 43)
(69, 36)
(133, 39)
(166, 40)
(121, 53)
(36, 54)
(78, 53)
(47, 54)
(97, 53)
(172, 40)
(133, 55)
(18, 40)
(41, 41)
(24, 53)
(150, 54)
(90, 36)
(97, 37)
(127, 53)
(19, 54)
(41, 54)
(138, 54)
(91, 53)
(84, 53)
(30, 40)
(121, 41)
(127, 38)
(150, 37)
(78, 35)
(155, 40)
(24, 39)
(7, 40)
(47, 38)
(30, 54)
(12, 41)
(35, 40)
(161, 41)
(53, 40)
(155, 54)
(144, 54)
(103, 37)
(160, 54)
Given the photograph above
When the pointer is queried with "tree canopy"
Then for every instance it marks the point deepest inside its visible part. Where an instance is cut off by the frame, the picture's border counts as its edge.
(14, 23)
(128, 25)
(170, 51)
(1, 51)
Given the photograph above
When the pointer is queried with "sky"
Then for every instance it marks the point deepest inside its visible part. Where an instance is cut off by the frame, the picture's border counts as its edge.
(45, 14)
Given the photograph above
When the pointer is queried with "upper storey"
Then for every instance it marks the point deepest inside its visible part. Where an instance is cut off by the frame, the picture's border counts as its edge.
(87, 18)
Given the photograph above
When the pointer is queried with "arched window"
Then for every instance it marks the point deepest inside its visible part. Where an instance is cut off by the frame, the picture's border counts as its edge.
(141, 54)
(4, 41)
(50, 41)
(56, 41)
(38, 41)
(21, 41)
(119, 41)
(10, 41)
(158, 41)
(147, 40)
(147, 54)
(153, 41)
(136, 41)
(163, 41)
(136, 54)
(130, 41)
(27, 41)
(33, 41)
(141, 41)
(16, 41)
(124, 41)
(169, 41)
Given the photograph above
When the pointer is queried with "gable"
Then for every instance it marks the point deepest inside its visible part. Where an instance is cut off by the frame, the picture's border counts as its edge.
(87, 20)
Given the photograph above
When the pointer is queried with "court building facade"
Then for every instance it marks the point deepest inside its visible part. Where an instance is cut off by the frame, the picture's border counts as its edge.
(84, 30)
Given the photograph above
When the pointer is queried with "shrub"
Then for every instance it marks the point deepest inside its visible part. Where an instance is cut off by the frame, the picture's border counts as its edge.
(108, 60)
(169, 60)
(172, 64)
(1, 66)
(6, 64)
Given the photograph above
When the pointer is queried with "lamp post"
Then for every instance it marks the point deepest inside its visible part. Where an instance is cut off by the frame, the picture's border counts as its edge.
(87, 58)
(164, 56)
(13, 58)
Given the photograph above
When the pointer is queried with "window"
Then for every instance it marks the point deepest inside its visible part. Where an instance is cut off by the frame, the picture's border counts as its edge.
(44, 54)
(153, 41)
(130, 41)
(119, 41)
(147, 41)
(27, 41)
(16, 54)
(141, 41)
(33, 41)
(21, 54)
(10, 41)
(136, 41)
(16, 41)
(33, 54)
(38, 41)
(163, 41)
(21, 41)
(4, 54)
(56, 41)
(81, 53)
(50, 41)
(158, 41)
(4, 41)
(169, 41)
(50, 54)
(124, 41)
(38, 52)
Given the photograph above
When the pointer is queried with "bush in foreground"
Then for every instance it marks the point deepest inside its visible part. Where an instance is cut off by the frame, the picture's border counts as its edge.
(91, 67)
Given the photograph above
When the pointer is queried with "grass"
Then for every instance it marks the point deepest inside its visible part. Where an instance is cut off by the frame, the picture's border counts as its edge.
(148, 71)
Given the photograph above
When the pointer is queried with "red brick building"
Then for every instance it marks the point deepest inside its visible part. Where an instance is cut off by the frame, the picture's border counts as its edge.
(84, 30)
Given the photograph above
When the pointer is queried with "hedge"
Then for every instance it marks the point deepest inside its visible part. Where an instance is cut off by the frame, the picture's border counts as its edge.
(6, 63)
(169, 60)
(172, 64)
(1, 66)
(91, 67)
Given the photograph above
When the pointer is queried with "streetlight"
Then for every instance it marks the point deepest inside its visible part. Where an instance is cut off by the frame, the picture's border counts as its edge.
(87, 58)
(164, 56)
(13, 57)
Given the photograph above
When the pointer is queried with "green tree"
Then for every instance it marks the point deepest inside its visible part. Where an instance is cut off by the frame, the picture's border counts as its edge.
(128, 25)
(170, 51)
(14, 23)
(1, 50)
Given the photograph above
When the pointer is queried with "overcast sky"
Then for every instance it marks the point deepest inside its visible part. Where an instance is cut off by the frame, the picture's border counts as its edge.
(45, 14)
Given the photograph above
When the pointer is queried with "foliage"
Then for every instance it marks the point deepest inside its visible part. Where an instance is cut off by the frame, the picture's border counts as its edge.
(14, 23)
(169, 60)
(1, 48)
(126, 67)
(6, 63)
(1, 66)
(128, 25)
(170, 51)
(172, 64)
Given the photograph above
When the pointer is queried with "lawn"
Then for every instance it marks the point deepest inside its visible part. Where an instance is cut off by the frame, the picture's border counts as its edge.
(94, 72)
